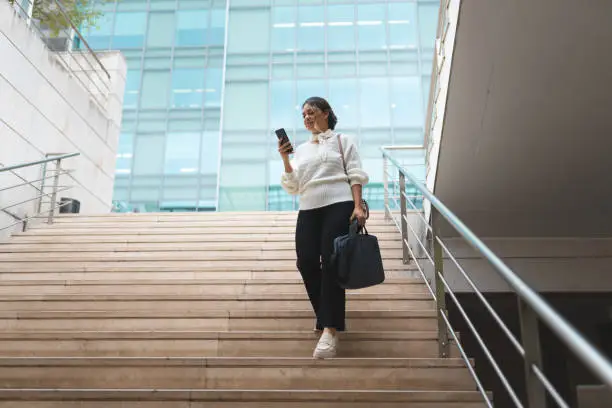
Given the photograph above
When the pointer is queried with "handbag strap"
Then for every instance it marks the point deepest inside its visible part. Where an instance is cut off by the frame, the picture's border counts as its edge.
(342, 153)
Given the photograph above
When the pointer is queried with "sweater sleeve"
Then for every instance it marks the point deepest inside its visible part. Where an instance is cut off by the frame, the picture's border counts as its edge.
(290, 181)
(354, 168)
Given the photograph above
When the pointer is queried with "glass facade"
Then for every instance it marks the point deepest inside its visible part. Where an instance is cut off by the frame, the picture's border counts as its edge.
(204, 97)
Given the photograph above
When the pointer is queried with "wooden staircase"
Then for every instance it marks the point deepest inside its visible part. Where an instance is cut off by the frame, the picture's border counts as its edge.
(206, 310)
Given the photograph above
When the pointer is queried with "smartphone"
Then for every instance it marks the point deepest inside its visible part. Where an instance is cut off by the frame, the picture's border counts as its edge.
(282, 136)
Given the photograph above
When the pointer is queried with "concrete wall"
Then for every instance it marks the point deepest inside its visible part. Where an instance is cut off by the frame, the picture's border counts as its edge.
(50, 104)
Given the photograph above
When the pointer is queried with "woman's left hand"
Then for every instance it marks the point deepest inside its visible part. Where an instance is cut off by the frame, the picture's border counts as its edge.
(360, 214)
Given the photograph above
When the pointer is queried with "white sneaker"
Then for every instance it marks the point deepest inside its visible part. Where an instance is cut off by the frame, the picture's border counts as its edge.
(327, 346)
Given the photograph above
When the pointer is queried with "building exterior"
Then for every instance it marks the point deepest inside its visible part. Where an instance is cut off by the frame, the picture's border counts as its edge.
(210, 80)
(54, 103)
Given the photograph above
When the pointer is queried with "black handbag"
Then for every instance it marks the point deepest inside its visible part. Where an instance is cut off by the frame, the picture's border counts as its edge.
(357, 259)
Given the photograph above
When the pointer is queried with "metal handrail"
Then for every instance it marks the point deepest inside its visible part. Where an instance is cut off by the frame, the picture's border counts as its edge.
(81, 38)
(55, 188)
(34, 163)
(533, 306)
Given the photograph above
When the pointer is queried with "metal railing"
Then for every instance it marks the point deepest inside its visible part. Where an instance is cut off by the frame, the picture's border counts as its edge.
(532, 307)
(51, 169)
(85, 65)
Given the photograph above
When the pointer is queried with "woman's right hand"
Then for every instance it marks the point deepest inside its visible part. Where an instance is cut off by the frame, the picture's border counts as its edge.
(285, 149)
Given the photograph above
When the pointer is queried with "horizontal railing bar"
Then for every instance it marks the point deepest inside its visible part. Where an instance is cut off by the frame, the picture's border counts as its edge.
(480, 296)
(37, 215)
(78, 33)
(466, 359)
(50, 159)
(35, 198)
(419, 241)
(482, 344)
(431, 291)
(29, 183)
(566, 333)
(549, 387)
(403, 147)
(419, 212)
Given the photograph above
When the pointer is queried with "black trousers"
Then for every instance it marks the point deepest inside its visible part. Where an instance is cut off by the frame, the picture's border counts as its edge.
(314, 239)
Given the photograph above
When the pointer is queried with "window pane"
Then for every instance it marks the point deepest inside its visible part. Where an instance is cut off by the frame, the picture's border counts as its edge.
(254, 39)
(182, 153)
(307, 88)
(98, 37)
(375, 102)
(311, 28)
(428, 22)
(210, 153)
(149, 155)
(402, 25)
(341, 27)
(343, 98)
(125, 152)
(161, 30)
(370, 21)
(283, 28)
(187, 88)
(216, 33)
(214, 82)
(249, 106)
(132, 89)
(407, 102)
(154, 93)
(130, 30)
(283, 105)
(191, 27)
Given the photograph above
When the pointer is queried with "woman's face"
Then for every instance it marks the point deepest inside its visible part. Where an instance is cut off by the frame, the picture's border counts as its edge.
(315, 120)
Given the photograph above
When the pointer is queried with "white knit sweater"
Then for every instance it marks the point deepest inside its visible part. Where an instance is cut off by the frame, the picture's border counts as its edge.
(318, 175)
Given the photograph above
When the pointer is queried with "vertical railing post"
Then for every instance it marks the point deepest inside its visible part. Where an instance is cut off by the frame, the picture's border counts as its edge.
(58, 164)
(443, 341)
(403, 217)
(386, 186)
(530, 337)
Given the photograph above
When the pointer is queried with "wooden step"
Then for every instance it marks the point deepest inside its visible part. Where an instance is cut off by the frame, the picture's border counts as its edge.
(185, 264)
(196, 223)
(252, 320)
(187, 229)
(168, 275)
(413, 301)
(16, 246)
(214, 344)
(236, 373)
(137, 256)
(153, 398)
(190, 287)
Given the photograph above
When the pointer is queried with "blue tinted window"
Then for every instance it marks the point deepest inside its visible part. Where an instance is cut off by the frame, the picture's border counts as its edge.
(182, 153)
(282, 104)
(191, 27)
(402, 25)
(375, 109)
(283, 28)
(154, 92)
(341, 27)
(132, 89)
(125, 151)
(428, 22)
(311, 28)
(407, 102)
(371, 26)
(343, 98)
(214, 83)
(187, 88)
(98, 36)
(130, 29)
(216, 32)
(307, 88)
(161, 29)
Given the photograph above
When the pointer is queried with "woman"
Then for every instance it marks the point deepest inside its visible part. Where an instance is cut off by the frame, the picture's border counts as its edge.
(329, 199)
